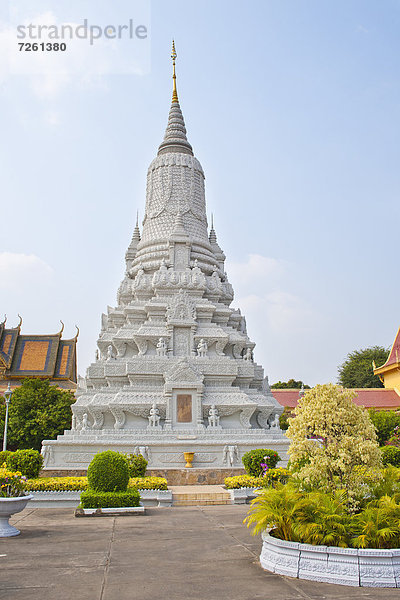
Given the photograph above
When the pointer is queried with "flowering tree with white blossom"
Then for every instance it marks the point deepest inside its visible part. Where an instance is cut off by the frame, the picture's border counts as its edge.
(331, 438)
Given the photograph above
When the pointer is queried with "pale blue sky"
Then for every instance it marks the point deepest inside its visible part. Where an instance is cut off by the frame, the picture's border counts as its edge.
(292, 107)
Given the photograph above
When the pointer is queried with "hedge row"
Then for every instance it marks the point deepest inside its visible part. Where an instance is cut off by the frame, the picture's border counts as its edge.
(77, 484)
(95, 499)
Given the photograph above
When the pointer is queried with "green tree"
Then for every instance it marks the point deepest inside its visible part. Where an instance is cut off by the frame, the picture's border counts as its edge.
(291, 384)
(385, 421)
(357, 370)
(37, 411)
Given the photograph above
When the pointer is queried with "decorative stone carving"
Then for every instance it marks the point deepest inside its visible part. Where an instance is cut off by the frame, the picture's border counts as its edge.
(78, 457)
(191, 279)
(48, 455)
(230, 455)
(237, 350)
(202, 348)
(248, 355)
(181, 308)
(182, 372)
(143, 451)
(273, 421)
(110, 352)
(85, 425)
(263, 416)
(219, 347)
(119, 417)
(330, 564)
(142, 345)
(121, 349)
(213, 417)
(98, 418)
(245, 416)
(154, 416)
(181, 341)
(161, 349)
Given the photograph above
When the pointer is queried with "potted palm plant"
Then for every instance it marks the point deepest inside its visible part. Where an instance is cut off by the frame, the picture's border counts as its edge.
(12, 499)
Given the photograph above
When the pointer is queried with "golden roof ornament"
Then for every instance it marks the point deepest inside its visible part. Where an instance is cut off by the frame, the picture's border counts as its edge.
(173, 56)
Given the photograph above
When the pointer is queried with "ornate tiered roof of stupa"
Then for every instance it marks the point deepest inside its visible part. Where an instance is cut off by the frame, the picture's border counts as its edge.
(43, 356)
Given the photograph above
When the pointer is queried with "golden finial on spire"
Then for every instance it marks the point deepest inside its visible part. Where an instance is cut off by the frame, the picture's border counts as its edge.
(173, 56)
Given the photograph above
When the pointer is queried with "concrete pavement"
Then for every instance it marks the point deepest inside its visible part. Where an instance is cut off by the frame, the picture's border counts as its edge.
(182, 553)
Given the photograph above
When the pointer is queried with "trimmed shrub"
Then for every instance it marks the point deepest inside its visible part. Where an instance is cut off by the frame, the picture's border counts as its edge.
(108, 472)
(391, 456)
(137, 465)
(97, 499)
(27, 462)
(4, 454)
(252, 460)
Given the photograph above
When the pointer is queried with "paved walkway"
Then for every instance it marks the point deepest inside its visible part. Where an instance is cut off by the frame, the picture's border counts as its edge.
(188, 553)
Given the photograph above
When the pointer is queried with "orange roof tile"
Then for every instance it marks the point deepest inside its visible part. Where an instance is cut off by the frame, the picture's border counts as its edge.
(369, 397)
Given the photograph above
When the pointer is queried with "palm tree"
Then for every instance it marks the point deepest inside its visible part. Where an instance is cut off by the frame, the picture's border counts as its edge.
(277, 508)
(326, 521)
(378, 525)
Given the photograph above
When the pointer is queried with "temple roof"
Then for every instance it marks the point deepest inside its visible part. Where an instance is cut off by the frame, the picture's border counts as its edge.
(394, 356)
(45, 356)
(380, 398)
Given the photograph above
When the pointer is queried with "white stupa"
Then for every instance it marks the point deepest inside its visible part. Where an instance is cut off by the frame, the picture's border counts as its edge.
(174, 369)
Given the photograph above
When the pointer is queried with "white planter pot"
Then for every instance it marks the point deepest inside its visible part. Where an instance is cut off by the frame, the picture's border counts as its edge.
(329, 564)
(8, 507)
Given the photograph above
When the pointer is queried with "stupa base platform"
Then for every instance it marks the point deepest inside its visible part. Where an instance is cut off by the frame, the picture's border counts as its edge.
(166, 451)
(173, 476)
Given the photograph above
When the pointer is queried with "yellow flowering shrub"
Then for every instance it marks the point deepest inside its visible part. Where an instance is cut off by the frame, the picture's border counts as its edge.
(12, 483)
(271, 477)
(331, 436)
(77, 484)
(148, 483)
(57, 484)
(242, 481)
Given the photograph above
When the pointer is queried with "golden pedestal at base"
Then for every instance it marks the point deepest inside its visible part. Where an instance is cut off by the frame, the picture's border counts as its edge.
(188, 456)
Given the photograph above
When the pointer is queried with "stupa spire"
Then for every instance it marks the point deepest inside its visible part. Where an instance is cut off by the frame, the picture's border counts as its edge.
(175, 139)
(174, 91)
(132, 248)
(213, 236)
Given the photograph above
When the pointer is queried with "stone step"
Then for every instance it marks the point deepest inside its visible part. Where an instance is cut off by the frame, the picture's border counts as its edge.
(199, 495)
(200, 502)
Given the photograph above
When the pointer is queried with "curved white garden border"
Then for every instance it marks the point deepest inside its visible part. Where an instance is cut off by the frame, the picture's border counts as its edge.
(346, 566)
